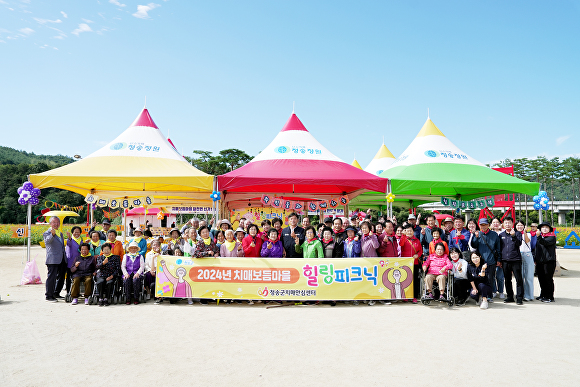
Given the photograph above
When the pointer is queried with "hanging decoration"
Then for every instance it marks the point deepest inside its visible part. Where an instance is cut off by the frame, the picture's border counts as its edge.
(390, 197)
(160, 215)
(62, 206)
(111, 214)
(541, 201)
(298, 207)
(457, 204)
(216, 195)
(28, 194)
(124, 203)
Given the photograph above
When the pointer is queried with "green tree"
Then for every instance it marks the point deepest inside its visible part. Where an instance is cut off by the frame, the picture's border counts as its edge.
(225, 161)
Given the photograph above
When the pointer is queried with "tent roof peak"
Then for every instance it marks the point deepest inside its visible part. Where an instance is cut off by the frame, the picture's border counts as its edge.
(294, 123)
(144, 119)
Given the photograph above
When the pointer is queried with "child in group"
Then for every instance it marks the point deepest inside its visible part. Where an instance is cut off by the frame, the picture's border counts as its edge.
(230, 247)
(351, 244)
(436, 267)
(82, 270)
(132, 268)
(411, 247)
(436, 233)
(311, 246)
(546, 261)
(460, 282)
(108, 267)
(272, 247)
(368, 241)
(478, 279)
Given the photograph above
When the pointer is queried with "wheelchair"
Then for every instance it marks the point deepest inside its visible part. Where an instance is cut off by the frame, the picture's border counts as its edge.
(448, 291)
(117, 292)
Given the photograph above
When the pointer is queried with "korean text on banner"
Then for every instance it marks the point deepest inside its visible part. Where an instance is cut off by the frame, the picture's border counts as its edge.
(285, 279)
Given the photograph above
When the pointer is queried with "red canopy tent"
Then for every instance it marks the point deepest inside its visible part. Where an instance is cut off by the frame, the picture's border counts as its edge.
(296, 166)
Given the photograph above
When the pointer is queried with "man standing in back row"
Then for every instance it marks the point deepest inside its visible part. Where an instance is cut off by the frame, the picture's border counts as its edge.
(55, 258)
(289, 234)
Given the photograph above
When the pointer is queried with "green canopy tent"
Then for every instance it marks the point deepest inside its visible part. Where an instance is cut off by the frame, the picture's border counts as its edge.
(432, 167)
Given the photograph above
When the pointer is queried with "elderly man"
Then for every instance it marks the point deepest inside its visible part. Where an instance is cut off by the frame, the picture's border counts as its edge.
(104, 232)
(305, 222)
(413, 221)
(55, 258)
(191, 223)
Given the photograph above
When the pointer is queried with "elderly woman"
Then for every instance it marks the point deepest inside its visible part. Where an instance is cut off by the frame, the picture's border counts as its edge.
(176, 240)
(230, 247)
(132, 268)
(142, 242)
(82, 269)
(252, 243)
(72, 251)
(117, 245)
(206, 247)
(108, 267)
(95, 244)
(151, 267)
(220, 238)
(190, 243)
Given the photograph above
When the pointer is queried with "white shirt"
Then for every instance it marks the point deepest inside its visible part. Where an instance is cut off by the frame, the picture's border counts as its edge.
(526, 247)
(460, 274)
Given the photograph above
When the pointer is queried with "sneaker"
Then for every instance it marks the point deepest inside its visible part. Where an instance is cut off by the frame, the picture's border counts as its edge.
(539, 298)
(442, 298)
(107, 303)
(484, 303)
(547, 300)
(371, 302)
(136, 303)
(128, 302)
(415, 301)
(158, 301)
(508, 300)
(502, 296)
(51, 300)
(74, 301)
(429, 296)
(332, 303)
(490, 300)
(101, 302)
(250, 302)
(496, 294)
(519, 302)
(355, 302)
(189, 301)
(86, 301)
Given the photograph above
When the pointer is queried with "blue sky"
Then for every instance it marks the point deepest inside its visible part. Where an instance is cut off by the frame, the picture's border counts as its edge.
(501, 79)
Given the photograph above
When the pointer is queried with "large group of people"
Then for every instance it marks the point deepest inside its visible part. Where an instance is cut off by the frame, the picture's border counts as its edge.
(483, 257)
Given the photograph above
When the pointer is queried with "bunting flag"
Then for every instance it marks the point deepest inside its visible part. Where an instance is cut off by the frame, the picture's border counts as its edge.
(291, 205)
(119, 202)
(62, 206)
(457, 204)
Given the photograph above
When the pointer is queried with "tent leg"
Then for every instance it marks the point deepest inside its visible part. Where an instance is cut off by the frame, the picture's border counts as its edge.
(29, 222)
(124, 227)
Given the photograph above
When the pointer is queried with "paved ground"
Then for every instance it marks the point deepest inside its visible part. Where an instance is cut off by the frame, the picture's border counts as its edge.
(44, 344)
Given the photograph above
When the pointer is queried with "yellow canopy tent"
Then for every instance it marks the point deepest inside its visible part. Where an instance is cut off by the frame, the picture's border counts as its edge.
(139, 162)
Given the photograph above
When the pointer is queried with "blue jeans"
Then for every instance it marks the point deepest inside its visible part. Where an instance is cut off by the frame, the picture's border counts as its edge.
(528, 274)
(496, 278)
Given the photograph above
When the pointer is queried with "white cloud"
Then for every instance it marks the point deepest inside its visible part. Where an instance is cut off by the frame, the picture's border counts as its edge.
(116, 2)
(82, 28)
(64, 14)
(44, 21)
(561, 140)
(143, 9)
(88, 21)
(26, 31)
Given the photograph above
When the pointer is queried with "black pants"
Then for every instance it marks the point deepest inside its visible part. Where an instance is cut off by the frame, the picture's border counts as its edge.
(546, 278)
(104, 287)
(51, 281)
(461, 287)
(514, 268)
(417, 280)
(63, 271)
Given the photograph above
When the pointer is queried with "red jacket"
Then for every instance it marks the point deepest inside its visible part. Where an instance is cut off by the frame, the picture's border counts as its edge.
(410, 247)
(389, 246)
(249, 251)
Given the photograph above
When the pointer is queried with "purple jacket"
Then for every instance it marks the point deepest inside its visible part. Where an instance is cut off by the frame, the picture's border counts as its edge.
(72, 251)
(277, 250)
(369, 245)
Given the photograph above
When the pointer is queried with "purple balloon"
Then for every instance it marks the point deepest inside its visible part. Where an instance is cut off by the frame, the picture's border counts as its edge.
(21, 201)
(28, 186)
(33, 201)
(20, 190)
(35, 192)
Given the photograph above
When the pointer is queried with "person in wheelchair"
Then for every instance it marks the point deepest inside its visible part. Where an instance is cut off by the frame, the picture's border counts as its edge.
(461, 284)
(82, 270)
(132, 267)
(108, 267)
(436, 267)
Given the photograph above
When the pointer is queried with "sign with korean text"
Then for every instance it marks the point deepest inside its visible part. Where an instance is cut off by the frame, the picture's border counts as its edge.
(285, 278)
(19, 231)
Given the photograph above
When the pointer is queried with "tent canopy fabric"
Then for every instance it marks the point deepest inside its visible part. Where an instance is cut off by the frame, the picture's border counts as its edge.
(382, 160)
(296, 164)
(432, 166)
(139, 162)
(356, 164)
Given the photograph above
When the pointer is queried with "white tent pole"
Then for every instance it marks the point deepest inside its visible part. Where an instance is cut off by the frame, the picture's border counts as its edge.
(29, 221)
(124, 227)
